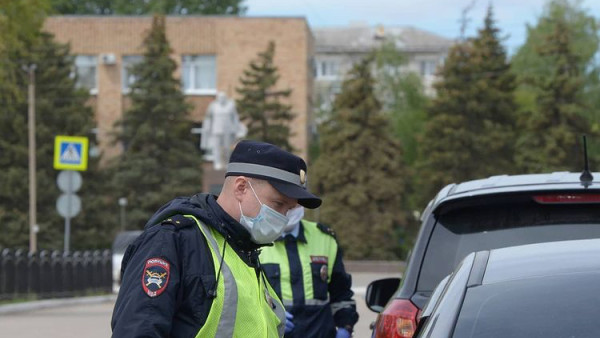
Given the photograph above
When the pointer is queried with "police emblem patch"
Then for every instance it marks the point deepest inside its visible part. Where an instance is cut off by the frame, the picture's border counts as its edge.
(155, 276)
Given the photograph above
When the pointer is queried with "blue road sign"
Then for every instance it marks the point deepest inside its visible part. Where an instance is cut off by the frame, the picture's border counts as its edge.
(70, 153)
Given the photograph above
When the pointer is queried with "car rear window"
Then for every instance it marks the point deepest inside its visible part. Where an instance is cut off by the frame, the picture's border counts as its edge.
(557, 306)
(459, 232)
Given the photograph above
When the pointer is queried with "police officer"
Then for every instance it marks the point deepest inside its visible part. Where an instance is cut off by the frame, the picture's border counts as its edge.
(305, 269)
(194, 271)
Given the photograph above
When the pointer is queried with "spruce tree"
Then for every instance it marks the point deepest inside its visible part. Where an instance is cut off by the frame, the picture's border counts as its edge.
(359, 172)
(470, 129)
(142, 7)
(260, 105)
(60, 110)
(20, 22)
(160, 158)
(551, 139)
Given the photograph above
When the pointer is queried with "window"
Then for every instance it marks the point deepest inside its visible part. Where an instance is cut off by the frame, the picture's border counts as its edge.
(85, 70)
(562, 305)
(128, 79)
(328, 68)
(428, 67)
(495, 225)
(199, 74)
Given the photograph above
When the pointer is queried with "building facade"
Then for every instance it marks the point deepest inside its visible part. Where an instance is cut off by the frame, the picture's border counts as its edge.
(211, 53)
(338, 48)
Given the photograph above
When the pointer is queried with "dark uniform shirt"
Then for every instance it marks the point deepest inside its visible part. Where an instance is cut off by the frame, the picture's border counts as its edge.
(168, 272)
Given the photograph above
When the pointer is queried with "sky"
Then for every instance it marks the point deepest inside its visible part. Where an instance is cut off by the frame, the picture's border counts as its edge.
(441, 17)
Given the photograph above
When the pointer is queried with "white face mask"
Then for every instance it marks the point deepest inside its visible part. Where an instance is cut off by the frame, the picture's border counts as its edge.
(294, 216)
(267, 226)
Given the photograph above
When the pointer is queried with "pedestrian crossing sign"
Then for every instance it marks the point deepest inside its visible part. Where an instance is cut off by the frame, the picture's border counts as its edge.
(70, 153)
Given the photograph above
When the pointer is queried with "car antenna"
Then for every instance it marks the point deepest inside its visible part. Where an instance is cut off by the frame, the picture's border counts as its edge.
(586, 177)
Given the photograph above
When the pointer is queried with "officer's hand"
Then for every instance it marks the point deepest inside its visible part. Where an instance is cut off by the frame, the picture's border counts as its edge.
(342, 333)
(289, 325)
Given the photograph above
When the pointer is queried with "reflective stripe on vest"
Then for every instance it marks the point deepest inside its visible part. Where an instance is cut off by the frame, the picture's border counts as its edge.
(244, 306)
(318, 245)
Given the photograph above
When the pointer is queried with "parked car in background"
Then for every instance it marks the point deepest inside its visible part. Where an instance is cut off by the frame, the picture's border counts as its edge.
(540, 290)
(120, 244)
(477, 215)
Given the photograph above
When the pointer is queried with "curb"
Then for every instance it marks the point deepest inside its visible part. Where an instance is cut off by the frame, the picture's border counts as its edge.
(52, 303)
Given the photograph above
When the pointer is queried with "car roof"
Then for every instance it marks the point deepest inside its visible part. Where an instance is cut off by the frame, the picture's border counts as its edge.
(566, 181)
(541, 260)
(123, 239)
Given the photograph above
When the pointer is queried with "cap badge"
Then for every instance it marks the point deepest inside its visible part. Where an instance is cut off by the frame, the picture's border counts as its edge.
(302, 177)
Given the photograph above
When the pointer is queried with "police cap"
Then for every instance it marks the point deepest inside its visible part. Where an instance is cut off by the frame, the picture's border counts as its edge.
(285, 171)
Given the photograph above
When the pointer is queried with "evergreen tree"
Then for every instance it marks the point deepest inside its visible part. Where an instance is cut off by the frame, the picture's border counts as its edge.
(359, 173)
(160, 159)
(552, 132)
(260, 106)
(559, 55)
(60, 110)
(470, 129)
(20, 23)
(141, 7)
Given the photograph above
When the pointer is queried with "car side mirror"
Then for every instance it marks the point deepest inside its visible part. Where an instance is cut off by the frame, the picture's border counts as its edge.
(379, 293)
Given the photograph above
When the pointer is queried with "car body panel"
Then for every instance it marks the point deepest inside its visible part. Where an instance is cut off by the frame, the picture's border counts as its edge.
(537, 265)
(456, 196)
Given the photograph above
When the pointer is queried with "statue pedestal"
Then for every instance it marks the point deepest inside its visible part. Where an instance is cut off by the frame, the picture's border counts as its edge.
(212, 179)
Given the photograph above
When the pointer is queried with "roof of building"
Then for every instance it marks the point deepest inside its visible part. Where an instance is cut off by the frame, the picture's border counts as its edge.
(363, 38)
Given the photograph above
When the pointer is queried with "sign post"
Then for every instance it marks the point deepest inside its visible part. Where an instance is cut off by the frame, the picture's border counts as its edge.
(70, 154)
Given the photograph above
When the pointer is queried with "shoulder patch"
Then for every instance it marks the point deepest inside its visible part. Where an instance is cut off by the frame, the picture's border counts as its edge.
(155, 277)
(326, 230)
(179, 221)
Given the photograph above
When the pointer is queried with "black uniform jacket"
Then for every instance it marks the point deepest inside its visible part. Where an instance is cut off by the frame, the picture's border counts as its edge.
(168, 271)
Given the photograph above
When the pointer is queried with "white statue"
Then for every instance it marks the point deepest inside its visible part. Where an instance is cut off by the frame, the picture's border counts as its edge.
(220, 130)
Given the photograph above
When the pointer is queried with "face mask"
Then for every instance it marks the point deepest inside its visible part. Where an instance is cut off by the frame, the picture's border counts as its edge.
(294, 216)
(267, 226)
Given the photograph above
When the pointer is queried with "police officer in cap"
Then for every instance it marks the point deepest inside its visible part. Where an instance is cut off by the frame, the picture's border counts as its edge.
(306, 270)
(194, 271)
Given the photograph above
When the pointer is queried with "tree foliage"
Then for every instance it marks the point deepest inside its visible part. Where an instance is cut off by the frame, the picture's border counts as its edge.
(559, 52)
(469, 132)
(261, 106)
(552, 128)
(160, 159)
(402, 96)
(359, 172)
(141, 7)
(60, 110)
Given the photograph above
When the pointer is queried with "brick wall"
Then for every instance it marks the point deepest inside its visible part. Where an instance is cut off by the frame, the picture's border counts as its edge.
(234, 40)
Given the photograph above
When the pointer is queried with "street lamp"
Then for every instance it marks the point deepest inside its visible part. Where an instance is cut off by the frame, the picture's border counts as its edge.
(123, 204)
(33, 226)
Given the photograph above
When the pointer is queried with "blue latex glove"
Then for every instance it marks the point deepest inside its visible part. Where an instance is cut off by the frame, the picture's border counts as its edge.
(342, 333)
(289, 325)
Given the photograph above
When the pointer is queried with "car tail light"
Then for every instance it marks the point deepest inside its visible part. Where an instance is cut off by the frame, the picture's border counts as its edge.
(567, 198)
(398, 320)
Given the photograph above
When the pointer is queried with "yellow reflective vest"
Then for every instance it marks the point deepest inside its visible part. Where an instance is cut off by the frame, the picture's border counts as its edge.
(245, 305)
(300, 272)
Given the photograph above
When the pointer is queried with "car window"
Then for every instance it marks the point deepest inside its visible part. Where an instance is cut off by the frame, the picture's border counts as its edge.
(556, 306)
(482, 227)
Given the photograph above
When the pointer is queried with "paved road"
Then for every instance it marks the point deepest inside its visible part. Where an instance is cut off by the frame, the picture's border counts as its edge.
(93, 320)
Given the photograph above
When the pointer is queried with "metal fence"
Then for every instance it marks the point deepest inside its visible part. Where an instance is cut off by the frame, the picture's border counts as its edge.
(52, 274)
